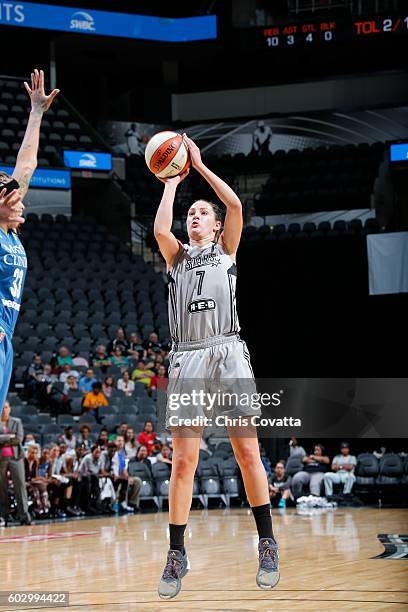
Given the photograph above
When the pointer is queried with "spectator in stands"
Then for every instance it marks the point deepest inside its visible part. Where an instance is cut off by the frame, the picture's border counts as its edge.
(70, 470)
(123, 427)
(29, 441)
(279, 486)
(94, 400)
(66, 372)
(135, 350)
(68, 438)
(86, 382)
(84, 438)
(103, 439)
(89, 471)
(57, 484)
(160, 380)
(12, 460)
(36, 485)
(108, 492)
(44, 464)
(101, 360)
(134, 141)
(157, 447)
(108, 386)
(295, 450)
(119, 341)
(148, 436)
(119, 359)
(142, 456)
(71, 384)
(153, 342)
(165, 455)
(64, 357)
(130, 443)
(261, 139)
(80, 361)
(125, 384)
(343, 467)
(315, 467)
(119, 465)
(142, 374)
(34, 372)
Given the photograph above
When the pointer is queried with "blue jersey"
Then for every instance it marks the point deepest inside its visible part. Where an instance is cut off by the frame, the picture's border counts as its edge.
(13, 269)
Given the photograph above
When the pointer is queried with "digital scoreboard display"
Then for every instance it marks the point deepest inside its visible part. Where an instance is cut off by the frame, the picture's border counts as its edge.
(329, 31)
(398, 153)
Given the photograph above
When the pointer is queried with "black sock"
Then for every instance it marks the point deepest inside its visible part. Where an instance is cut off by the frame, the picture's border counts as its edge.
(177, 537)
(263, 519)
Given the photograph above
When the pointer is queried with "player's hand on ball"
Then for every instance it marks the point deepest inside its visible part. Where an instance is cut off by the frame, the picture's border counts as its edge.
(194, 151)
(39, 101)
(175, 180)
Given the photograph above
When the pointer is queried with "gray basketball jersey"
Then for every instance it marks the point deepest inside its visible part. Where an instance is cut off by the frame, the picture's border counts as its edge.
(202, 300)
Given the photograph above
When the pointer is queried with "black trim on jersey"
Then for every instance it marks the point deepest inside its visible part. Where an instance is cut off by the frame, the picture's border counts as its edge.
(172, 297)
(232, 271)
(247, 357)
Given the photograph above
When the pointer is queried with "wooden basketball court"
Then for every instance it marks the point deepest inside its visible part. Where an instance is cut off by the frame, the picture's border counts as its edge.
(114, 563)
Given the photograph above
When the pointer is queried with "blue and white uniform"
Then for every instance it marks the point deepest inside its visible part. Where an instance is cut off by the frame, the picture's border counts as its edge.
(13, 270)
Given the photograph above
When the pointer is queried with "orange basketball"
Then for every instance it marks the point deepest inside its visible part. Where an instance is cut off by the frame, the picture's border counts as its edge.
(166, 154)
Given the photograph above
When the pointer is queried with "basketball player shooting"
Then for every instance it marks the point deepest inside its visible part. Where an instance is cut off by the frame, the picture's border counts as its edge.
(13, 260)
(206, 345)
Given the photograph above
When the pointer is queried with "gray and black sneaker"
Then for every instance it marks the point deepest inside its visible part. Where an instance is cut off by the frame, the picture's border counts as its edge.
(176, 568)
(268, 572)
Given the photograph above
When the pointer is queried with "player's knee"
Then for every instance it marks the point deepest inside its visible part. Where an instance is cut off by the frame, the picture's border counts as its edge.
(183, 464)
(247, 457)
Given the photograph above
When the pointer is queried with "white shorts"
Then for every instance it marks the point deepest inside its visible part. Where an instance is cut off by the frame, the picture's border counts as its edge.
(214, 376)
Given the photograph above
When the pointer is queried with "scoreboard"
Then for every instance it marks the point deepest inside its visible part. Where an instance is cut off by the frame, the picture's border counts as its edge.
(329, 31)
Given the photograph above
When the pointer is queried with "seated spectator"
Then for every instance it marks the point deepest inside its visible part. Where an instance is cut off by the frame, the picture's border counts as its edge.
(101, 359)
(142, 374)
(125, 384)
(119, 341)
(160, 380)
(64, 357)
(119, 359)
(148, 436)
(36, 484)
(70, 470)
(84, 438)
(57, 483)
(135, 350)
(142, 457)
(89, 471)
(165, 455)
(103, 439)
(94, 399)
(29, 441)
(86, 382)
(71, 384)
(44, 464)
(119, 466)
(295, 450)
(66, 372)
(315, 467)
(80, 361)
(279, 486)
(265, 461)
(130, 443)
(33, 381)
(153, 342)
(108, 386)
(343, 467)
(157, 446)
(68, 438)
(123, 427)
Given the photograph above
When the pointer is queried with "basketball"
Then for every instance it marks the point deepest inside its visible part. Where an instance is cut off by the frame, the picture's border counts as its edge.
(166, 155)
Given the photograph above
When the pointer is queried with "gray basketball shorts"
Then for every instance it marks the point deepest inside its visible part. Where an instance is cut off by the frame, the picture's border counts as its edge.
(209, 378)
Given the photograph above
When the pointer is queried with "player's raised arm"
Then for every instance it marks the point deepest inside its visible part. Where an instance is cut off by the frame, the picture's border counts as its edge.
(168, 243)
(27, 155)
(233, 218)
